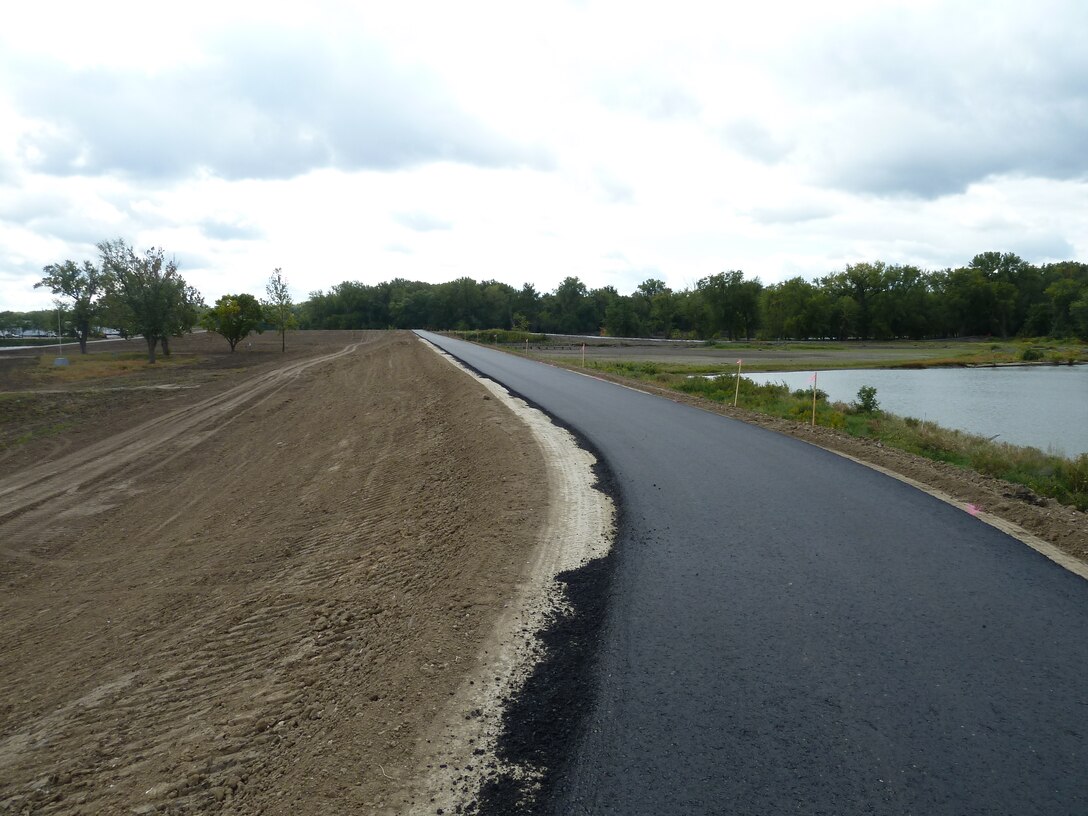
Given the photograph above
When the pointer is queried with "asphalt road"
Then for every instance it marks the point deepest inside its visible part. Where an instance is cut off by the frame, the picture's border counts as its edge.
(790, 632)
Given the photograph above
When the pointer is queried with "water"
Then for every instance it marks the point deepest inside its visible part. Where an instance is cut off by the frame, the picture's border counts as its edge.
(1042, 406)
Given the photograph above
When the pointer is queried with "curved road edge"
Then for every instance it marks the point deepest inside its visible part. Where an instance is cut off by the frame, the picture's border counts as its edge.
(1011, 528)
(1045, 548)
(499, 740)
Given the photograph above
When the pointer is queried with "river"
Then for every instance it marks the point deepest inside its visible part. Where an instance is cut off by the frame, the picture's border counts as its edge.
(1042, 406)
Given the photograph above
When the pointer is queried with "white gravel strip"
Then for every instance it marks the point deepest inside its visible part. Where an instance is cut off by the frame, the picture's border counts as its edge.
(579, 528)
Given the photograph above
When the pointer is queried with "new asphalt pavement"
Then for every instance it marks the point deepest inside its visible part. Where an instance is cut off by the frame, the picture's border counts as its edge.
(790, 632)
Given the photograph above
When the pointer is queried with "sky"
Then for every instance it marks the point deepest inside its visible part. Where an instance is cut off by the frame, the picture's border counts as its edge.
(612, 141)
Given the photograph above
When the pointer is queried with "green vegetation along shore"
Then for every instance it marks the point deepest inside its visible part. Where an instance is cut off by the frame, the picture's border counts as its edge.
(676, 367)
(1062, 479)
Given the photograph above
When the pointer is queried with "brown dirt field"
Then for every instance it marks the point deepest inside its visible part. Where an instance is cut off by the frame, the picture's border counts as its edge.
(252, 596)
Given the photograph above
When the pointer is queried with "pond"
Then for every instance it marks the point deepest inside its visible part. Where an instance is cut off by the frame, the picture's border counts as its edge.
(1042, 406)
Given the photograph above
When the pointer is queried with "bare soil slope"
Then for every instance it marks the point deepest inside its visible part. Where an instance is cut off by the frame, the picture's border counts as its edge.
(252, 596)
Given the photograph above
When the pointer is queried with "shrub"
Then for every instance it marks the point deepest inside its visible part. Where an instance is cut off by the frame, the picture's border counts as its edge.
(1075, 474)
(867, 402)
(1030, 355)
(1065, 480)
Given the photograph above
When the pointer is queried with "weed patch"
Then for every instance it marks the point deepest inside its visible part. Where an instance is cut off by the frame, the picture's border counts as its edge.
(82, 368)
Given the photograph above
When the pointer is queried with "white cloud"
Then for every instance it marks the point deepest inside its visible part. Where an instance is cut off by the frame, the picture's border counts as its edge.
(421, 221)
(268, 103)
(601, 139)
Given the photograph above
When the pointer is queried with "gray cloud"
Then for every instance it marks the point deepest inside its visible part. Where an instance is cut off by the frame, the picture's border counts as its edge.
(753, 140)
(19, 268)
(23, 283)
(54, 215)
(421, 221)
(923, 105)
(224, 231)
(790, 213)
(24, 206)
(185, 260)
(615, 190)
(648, 93)
(74, 232)
(627, 280)
(1045, 248)
(268, 104)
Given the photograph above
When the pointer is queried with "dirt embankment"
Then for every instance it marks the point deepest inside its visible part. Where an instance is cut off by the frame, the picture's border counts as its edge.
(255, 603)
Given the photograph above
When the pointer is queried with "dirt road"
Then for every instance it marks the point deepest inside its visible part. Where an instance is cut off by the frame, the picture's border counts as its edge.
(255, 601)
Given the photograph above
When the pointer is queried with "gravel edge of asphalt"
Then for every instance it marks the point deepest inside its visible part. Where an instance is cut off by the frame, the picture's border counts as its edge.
(498, 746)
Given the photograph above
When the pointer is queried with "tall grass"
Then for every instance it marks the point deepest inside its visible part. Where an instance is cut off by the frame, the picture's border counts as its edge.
(99, 366)
(774, 399)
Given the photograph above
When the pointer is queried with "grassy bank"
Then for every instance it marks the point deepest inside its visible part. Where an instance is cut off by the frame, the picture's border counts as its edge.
(912, 354)
(103, 366)
(1065, 480)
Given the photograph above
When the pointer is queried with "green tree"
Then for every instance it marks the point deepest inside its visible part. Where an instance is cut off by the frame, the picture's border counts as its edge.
(1061, 295)
(621, 319)
(975, 303)
(184, 314)
(1017, 287)
(716, 296)
(730, 304)
(526, 302)
(655, 305)
(858, 285)
(498, 304)
(84, 286)
(278, 308)
(899, 306)
(595, 311)
(867, 402)
(234, 317)
(787, 310)
(145, 293)
(1078, 317)
(747, 308)
(575, 312)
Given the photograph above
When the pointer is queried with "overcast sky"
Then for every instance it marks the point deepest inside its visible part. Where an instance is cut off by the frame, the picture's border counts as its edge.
(529, 142)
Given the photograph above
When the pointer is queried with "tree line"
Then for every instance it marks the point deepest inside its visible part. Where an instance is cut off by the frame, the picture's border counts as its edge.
(143, 294)
(996, 294)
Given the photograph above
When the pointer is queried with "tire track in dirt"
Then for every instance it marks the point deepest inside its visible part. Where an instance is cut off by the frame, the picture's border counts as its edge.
(270, 621)
(36, 485)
